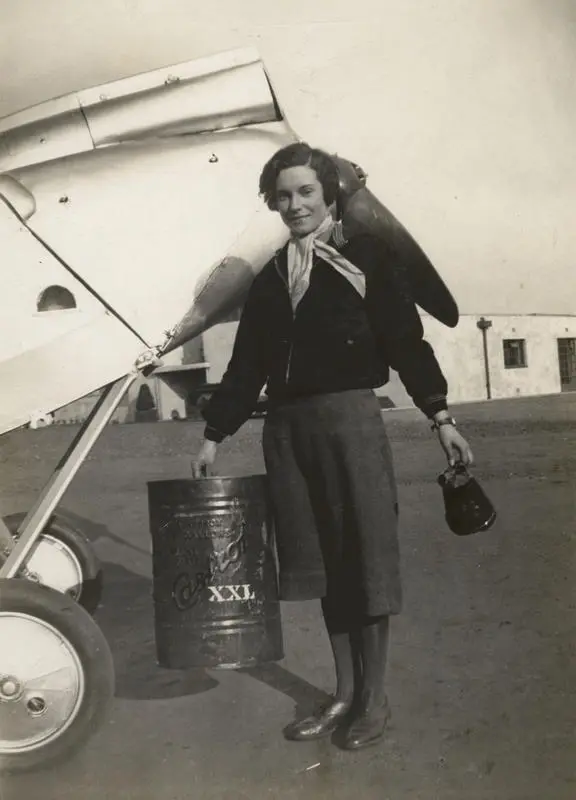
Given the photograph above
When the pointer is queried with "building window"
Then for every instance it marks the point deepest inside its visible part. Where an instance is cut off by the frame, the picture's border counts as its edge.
(515, 353)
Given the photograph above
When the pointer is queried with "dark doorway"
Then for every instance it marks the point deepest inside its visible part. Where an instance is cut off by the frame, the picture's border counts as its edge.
(567, 363)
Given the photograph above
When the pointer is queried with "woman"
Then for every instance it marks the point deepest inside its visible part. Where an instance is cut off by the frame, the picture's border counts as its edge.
(323, 323)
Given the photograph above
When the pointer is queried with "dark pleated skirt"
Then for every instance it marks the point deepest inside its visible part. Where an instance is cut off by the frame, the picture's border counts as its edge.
(334, 498)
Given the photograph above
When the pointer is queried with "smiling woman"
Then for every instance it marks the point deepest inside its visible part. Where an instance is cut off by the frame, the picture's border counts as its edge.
(323, 322)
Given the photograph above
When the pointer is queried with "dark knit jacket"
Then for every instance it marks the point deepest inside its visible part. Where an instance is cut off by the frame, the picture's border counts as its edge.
(336, 340)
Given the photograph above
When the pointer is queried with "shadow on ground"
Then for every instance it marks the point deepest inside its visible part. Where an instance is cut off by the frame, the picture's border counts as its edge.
(306, 696)
(96, 530)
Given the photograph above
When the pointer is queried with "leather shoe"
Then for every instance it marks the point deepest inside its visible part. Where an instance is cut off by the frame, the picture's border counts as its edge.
(367, 728)
(322, 723)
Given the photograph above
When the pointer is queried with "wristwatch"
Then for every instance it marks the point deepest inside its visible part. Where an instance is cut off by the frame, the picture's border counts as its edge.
(443, 421)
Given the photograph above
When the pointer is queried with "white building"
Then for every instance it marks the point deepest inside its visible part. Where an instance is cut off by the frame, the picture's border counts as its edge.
(514, 355)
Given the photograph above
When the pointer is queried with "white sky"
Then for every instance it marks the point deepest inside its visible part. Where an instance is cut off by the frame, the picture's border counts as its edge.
(463, 112)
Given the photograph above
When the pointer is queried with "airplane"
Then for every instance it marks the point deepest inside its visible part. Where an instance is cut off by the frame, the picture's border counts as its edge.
(130, 223)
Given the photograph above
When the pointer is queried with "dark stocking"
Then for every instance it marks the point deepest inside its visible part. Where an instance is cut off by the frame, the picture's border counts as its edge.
(371, 717)
(374, 637)
(344, 641)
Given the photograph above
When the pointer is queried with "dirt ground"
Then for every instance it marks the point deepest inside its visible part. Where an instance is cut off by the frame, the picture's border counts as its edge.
(483, 659)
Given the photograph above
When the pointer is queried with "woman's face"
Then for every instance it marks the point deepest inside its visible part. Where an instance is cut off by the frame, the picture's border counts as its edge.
(300, 199)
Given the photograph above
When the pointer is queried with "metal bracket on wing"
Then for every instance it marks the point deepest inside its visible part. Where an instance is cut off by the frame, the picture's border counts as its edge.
(151, 359)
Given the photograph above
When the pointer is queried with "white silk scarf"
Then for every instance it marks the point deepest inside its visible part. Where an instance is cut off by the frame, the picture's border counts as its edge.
(301, 252)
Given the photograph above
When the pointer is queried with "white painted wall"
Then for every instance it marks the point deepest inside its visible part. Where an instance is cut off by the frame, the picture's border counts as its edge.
(218, 342)
(167, 399)
(460, 353)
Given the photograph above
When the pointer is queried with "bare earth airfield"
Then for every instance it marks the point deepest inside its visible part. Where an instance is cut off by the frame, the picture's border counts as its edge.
(483, 660)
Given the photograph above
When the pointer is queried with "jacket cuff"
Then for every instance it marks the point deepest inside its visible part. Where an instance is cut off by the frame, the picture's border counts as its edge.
(213, 435)
(433, 405)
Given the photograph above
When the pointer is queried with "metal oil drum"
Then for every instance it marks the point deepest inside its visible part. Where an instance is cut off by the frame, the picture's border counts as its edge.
(215, 589)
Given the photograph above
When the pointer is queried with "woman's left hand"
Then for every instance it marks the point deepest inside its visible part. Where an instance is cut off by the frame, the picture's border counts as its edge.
(455, 446)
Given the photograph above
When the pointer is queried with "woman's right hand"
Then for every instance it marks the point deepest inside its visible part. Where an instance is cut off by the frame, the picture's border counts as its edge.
(204, 459)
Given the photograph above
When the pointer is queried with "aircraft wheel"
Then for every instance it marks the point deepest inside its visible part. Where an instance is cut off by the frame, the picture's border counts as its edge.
(56, 676)
(63, 559)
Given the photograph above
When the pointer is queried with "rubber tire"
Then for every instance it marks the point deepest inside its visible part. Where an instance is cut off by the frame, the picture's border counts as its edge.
(62, 529)
(86, 638)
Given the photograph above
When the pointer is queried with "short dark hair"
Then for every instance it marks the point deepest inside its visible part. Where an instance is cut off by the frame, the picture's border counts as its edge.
(299, 154)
